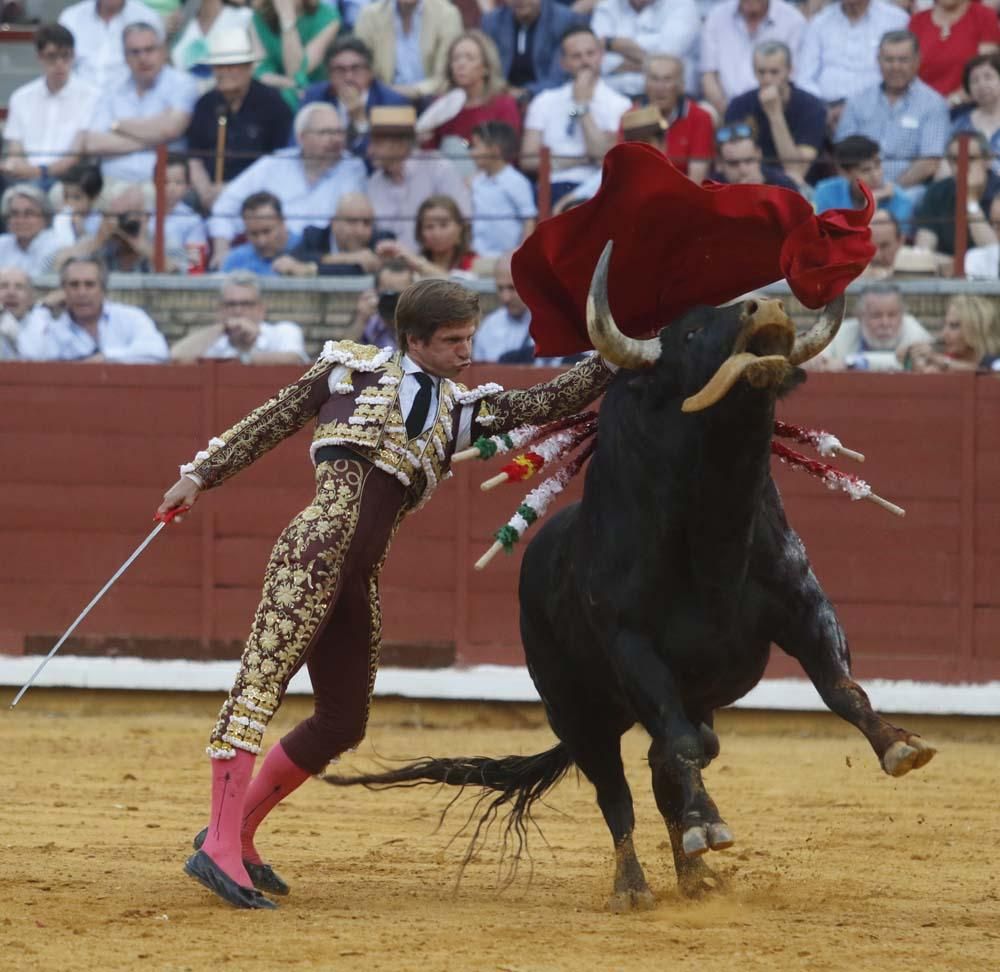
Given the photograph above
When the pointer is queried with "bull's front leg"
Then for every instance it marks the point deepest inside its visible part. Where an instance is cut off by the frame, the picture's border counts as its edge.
(811, 633)
(678, 751)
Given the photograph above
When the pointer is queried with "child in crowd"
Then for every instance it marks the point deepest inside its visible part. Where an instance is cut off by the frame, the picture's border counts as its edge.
(859, 158)
(183, 229)
(80, 217)
(503, 202)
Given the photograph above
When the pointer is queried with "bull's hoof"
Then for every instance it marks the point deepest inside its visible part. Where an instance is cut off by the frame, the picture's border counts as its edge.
(901, 757)
(701, 838)
(634, 899)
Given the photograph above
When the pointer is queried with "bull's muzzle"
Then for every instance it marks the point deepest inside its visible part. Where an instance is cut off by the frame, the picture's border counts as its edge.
(767, 348)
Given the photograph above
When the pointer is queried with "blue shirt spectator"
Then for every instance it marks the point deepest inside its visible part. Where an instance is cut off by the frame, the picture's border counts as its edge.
(527, 35)
(308, 181)
(267, 236)
(353, 90)
(409, 62)
(911, 126)
(501, 203)
(835, 193)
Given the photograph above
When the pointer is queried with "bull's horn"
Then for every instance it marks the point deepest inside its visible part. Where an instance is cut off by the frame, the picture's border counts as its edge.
(611, 344)
(728, 374)
(825, 329)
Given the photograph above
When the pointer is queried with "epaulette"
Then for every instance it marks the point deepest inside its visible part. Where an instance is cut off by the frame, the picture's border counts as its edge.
(357, 357)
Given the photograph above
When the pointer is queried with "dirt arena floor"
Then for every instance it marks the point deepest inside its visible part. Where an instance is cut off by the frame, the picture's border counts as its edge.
(836, 866)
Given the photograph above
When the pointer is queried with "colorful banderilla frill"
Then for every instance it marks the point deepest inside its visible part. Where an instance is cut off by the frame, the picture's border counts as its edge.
(552, 443)
(486, 447)
(825, 443)
(556, 441)
(855, 487)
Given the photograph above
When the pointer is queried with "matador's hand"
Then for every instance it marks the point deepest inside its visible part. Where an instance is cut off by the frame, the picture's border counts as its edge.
(183, 493)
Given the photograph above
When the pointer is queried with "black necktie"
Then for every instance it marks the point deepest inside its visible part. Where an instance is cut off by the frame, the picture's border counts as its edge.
(421, 406)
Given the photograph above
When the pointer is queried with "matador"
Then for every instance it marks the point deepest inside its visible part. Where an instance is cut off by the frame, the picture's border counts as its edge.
(387, 424)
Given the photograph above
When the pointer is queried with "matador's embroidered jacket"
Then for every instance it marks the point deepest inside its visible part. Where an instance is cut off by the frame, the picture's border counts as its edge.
(353, 392)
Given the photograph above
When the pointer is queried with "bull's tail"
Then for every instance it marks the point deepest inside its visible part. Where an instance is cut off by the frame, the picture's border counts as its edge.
(518, 782)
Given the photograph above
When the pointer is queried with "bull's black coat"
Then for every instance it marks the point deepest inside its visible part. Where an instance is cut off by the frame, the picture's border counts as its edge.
(656, 598)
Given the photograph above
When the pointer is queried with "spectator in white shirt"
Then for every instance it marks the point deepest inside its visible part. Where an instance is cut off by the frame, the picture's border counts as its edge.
(240, 331)
(308, 181)
(91, 329)
(503, 201)
(578, 121)
(631, 30)
(505, 330)
(29, 244)
(732, 29)
(152, 107)
(983, 262)
(97, 26)
(44, 115)
(17, 297)
(839, 54)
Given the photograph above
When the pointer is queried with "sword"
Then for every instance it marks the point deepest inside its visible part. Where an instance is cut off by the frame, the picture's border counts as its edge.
(164, 519)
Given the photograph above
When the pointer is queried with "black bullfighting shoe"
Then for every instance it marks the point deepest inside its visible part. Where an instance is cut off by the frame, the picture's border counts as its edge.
(264, 877)
(204, 870)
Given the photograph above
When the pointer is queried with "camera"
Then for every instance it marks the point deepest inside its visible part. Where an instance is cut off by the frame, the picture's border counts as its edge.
(129, 223)
(386, 307)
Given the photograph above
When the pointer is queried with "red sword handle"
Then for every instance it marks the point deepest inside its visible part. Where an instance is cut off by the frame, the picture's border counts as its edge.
(170, 514)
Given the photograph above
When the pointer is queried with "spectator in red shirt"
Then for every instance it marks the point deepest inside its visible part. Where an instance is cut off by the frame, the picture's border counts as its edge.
(477, 93)
(950, 33)
(690, 136)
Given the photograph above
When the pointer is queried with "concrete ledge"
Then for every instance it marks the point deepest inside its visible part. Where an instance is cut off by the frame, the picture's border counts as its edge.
(495, 683)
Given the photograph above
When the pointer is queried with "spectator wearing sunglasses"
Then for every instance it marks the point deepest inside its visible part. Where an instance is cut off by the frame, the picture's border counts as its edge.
(739, 160)
(791, 122)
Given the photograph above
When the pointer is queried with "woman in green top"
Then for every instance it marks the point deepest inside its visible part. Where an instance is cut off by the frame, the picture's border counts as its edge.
(294, 35)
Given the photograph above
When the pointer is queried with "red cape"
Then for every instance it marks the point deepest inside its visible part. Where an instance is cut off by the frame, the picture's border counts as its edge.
(678, 245)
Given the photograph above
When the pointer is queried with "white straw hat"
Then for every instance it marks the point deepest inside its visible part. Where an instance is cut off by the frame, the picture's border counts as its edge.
(231, 46)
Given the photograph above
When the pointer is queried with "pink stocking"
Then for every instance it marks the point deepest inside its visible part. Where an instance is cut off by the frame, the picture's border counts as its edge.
(230, 781)
(278, 777)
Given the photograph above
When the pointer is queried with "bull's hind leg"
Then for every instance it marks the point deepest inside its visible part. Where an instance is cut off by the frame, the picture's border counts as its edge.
(818, 642)
(601, 763)
(694, 876)
(679, 747)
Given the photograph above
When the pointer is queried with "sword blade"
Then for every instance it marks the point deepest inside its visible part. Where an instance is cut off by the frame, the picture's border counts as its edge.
(121, 570)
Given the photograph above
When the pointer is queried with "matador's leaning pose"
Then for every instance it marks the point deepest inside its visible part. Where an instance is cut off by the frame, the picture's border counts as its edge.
(387, 426)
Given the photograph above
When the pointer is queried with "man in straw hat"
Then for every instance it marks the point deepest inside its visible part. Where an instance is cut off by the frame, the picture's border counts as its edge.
(236, 122)
(400, 183)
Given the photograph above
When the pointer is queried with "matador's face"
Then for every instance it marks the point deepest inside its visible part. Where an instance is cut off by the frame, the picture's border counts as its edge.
(447, 353)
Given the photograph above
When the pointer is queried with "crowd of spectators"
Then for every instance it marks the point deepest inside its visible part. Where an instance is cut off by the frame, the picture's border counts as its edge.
(404, 138)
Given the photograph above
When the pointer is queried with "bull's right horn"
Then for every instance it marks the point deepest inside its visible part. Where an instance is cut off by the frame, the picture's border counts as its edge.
(819, 336)
(611, 344)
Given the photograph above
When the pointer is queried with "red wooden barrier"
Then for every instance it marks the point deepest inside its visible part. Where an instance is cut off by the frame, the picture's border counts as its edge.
(88, 450)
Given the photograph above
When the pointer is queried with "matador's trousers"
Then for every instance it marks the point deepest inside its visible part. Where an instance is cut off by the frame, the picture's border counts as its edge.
(319, 607)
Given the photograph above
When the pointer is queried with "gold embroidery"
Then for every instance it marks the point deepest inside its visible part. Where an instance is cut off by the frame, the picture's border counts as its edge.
(266, 426)
(555, 399)
(300, 582)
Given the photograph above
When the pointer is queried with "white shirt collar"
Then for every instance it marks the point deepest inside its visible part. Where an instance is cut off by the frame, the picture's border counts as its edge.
(410, 367)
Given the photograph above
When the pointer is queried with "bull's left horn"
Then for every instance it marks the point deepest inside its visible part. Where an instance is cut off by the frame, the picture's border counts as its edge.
(817, 338)
(611, 344)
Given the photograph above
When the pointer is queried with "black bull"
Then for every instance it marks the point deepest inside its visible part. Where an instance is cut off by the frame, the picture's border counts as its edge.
(656, 598)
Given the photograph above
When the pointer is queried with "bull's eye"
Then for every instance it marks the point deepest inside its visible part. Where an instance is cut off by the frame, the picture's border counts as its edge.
(690, 334)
